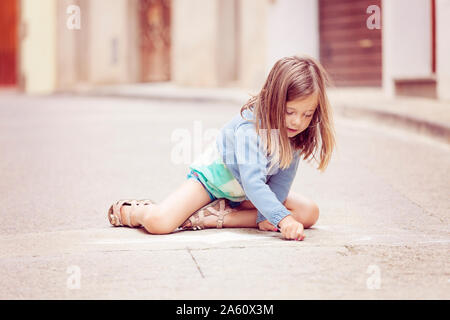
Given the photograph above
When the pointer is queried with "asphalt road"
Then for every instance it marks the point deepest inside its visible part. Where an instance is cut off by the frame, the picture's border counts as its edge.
(383, 230)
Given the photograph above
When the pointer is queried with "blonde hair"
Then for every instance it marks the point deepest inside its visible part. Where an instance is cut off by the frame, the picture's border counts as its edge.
(291, 78)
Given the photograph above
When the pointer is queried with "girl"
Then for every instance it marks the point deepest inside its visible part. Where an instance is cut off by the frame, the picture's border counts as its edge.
(242, 180)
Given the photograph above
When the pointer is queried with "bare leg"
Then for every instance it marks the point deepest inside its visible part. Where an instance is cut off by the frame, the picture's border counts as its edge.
(243, 218)
(302, 209)
(168, 215)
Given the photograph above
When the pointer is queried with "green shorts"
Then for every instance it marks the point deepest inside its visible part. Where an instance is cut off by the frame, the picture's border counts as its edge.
(215, 176)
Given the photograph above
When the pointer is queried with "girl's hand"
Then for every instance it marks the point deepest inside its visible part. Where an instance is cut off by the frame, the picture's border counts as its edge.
(291, 229)
(266, 226)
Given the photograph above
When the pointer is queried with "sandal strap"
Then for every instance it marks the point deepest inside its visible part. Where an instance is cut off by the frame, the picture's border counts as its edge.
(116, 212)
(222, 213)
(197, 220)
(134, 205)
(118, 205)
(201, 219)
(219, 213)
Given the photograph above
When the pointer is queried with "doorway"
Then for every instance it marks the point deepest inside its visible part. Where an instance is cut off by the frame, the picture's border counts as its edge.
(8, 42)
(349, 50)
(155, 42)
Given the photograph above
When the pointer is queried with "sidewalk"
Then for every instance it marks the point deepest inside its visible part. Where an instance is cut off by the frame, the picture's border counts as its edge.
(122, 263)
(427, 116)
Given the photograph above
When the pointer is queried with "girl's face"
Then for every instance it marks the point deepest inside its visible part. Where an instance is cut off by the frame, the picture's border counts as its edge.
(299, 113)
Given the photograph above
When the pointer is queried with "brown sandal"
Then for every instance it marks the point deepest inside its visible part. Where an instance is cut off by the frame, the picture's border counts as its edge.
(114, 215)
(197, 220)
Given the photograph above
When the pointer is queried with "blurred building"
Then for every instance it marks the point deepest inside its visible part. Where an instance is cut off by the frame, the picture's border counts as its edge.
(50, 45)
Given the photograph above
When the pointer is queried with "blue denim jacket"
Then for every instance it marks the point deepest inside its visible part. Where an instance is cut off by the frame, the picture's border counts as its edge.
(242, 152)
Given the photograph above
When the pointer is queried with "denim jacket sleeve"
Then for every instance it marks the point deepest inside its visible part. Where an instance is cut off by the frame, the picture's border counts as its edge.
(280, 183)
(253, 171)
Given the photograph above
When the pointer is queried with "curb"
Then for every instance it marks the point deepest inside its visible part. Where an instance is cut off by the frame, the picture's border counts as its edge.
(434, 130)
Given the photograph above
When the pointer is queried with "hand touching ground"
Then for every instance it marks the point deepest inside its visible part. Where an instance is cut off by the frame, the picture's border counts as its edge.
(291, 229)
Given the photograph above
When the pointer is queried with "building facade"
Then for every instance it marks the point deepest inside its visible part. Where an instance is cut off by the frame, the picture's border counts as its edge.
(55, 45)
